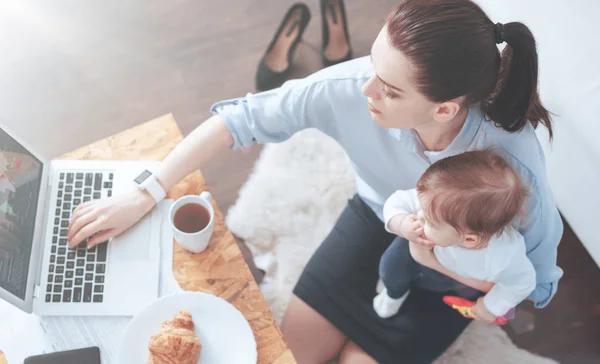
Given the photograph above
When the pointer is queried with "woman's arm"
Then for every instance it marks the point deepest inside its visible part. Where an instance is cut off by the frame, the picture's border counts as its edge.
(206, 142)
(542, 227)
(111, 217)
(271, 116)
(425, 256)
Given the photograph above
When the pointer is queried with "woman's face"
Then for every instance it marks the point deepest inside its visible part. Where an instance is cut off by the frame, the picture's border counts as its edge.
(393, 100)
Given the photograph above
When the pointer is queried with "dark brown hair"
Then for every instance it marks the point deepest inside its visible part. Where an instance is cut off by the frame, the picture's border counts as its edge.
(452, 44)
(474, 192)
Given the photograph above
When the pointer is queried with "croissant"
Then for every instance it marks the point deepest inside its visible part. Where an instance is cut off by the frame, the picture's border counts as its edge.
(3, 358)
(176, 342)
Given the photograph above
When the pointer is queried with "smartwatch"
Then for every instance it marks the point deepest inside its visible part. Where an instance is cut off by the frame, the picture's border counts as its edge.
(147, 181)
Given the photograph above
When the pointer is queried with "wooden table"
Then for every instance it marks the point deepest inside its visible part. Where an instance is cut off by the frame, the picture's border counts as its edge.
(221, 269)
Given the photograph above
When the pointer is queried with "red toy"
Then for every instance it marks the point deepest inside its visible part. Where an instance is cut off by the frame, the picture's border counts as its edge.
(464, 307)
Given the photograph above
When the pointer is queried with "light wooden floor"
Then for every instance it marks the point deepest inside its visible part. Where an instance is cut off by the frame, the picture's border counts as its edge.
(73, 71)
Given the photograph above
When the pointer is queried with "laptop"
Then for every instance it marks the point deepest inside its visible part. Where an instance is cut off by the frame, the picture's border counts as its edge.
(39, 273)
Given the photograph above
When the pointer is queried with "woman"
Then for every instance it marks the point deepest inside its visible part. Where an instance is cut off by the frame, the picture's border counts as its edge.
(434, 86)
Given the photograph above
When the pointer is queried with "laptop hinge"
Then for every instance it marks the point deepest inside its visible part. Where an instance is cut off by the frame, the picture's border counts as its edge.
(36, 291)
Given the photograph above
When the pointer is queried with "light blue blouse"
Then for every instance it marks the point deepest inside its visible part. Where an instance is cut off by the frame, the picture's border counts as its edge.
(386, 160)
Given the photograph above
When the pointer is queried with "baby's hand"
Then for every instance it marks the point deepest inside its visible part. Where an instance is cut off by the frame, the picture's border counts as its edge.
(482, 313)
(412, 230)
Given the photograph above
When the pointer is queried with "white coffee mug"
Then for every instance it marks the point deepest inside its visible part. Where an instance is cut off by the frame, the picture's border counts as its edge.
(198, 241)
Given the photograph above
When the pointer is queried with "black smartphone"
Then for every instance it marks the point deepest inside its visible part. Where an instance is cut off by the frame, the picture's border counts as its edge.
(79, 356)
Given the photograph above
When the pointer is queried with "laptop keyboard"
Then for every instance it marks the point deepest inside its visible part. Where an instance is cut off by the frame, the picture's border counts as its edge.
(76, 275)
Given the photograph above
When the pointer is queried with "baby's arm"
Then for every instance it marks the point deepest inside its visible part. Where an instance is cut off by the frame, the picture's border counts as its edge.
(397, 207)
(394, 224)
(515, 280)
(399, 213)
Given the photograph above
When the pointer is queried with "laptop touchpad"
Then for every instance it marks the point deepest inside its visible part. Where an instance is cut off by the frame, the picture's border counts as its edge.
(133, 244)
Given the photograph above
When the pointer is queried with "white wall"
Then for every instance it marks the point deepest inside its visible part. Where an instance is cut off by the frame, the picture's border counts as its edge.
(568, 39)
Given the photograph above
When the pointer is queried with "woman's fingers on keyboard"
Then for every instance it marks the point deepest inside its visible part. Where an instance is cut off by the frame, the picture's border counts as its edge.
(94, 226)
(85, 204)
(101, 238)
(76, 229)
(82, 209)
(78, 214)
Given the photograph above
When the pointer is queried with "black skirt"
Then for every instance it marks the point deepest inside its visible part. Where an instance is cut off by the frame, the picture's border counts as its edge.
(340, 282)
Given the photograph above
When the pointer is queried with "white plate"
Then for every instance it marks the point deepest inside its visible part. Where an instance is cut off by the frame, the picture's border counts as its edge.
(224, 333)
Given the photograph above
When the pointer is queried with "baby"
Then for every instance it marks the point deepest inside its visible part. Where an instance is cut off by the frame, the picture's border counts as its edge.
(462, 208)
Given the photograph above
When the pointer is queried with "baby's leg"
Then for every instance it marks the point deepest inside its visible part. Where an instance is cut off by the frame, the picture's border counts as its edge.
(397, 269)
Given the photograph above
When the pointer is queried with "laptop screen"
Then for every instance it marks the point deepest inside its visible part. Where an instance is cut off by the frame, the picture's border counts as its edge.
(20, 181)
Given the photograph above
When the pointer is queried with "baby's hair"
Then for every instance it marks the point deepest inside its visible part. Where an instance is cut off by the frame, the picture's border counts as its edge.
(476, 192)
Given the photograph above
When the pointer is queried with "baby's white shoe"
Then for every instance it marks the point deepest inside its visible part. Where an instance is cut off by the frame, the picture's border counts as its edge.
(386, 306)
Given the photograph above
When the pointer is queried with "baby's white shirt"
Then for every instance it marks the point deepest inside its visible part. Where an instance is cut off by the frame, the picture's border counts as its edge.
(504, 261)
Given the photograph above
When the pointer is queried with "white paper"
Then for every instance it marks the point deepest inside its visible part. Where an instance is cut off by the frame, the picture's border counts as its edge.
(27, 335)
(21, 334)
(78, 332)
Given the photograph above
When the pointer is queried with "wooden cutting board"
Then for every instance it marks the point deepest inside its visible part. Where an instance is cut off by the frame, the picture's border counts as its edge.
(3, 358)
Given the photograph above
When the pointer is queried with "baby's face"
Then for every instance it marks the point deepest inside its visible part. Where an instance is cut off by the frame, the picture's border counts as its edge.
(440, 234)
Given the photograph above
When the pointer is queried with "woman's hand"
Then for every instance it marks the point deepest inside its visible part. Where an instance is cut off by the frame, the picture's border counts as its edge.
(482, 313)
(105, 219)
(410, 228)
(423, 254)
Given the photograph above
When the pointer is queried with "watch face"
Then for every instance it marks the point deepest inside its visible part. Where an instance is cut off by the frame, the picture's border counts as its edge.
(142, 177)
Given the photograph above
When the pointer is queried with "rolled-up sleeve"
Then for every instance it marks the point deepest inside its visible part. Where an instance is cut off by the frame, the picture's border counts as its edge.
(542, 229)
(542, 232)
(274, 116)
(542, 238)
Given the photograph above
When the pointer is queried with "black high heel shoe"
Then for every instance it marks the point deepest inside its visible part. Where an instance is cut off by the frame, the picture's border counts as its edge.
(336, 41)
(274, 67)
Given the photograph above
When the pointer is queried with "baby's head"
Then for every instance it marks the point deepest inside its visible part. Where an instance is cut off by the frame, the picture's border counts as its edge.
(468, 198)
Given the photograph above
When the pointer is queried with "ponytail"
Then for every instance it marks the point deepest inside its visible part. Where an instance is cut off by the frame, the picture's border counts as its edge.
(452, 44)
(515, 100)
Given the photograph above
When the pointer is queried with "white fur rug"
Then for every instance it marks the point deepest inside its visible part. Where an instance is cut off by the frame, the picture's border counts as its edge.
(288, 206)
